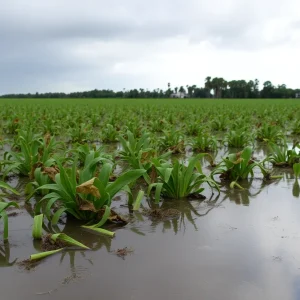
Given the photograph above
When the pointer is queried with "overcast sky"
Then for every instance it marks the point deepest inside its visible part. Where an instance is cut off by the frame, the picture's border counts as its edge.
(72, 45)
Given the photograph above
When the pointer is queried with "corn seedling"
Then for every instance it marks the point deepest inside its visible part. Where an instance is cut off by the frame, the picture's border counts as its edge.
(4, 206)
(180, 181)
(83, 195)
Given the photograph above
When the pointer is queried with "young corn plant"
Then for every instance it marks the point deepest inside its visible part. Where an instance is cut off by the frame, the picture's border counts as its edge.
(80, 132)
(84, 152)
(220, 123)
(109, 134)
(239, 166)
(179, 181)
(282, 156)
(138, 153)
(173, 141)
(270, 133)
(33, 153)
(239, 138)
(82, 194)
(204, 142)
(4, 206)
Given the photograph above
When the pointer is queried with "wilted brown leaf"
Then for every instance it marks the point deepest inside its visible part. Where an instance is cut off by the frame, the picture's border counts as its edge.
(87, 205)
(153, 175)
(88, 188)
(239, 160)
(51, 172)
(47, 138)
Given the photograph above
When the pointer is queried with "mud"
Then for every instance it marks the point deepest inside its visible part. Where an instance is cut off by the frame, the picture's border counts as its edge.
(48, 244)
(161, 214)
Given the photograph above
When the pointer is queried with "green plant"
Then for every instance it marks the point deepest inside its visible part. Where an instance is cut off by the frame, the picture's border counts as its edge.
(4, 206)
(80, 132)
(238, 166)
(84, 152)
(109, 134)
(172, 140)
(138, 153)
(34, 152)
(270, 133)
(238, 138)
(82, 195)
(282, 157)
(180, 181)
(204, 142)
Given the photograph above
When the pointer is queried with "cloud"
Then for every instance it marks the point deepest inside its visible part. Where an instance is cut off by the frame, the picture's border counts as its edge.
(95, 44)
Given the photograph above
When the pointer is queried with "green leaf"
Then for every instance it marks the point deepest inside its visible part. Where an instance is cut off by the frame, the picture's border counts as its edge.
(37, 228)
(123, 180)
(8, 187)
(44, 254)
(57, 215)
(67, 239)
(138, 200)
(101, 230)
(103, 219)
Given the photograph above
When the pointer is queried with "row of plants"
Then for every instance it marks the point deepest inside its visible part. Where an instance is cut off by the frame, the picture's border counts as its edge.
(235, 125)
(81, 182)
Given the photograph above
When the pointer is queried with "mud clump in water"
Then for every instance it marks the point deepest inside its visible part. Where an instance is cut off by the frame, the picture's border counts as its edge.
(13, 214)
(123, 252)
(161, 214)
(48, 244)
(29, 264)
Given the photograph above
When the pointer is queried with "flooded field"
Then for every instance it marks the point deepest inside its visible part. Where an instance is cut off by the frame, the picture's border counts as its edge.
(236, 245)
(220, 225)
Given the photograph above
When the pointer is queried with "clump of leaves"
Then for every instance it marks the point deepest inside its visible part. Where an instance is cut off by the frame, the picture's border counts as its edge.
(180, 181)
(83, 195)
(109, 134)
(270, 133)
(139, 153)
(238, 166)
(238, 138)
(204, 142)
(173, 141)
(33, 153)
(281, 156)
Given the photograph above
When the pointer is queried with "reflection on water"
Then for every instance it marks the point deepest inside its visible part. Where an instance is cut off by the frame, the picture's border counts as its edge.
(5, 260)
(241, 244)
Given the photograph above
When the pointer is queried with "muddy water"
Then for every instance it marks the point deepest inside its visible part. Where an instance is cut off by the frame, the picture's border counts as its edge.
(239, 245)
(236, 245)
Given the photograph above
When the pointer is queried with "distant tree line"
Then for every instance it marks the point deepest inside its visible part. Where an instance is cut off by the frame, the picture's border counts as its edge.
(213, 88)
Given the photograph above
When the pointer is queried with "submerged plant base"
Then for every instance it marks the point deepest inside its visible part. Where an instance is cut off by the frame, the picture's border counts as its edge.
(114, 218)
(161, 214)
(196, 197)
(28, 264)
(48, 244)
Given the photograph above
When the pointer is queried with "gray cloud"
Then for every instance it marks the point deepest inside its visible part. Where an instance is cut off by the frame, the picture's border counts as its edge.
(44, 45)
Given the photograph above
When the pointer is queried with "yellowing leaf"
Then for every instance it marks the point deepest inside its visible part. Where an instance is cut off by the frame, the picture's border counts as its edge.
(88, 188)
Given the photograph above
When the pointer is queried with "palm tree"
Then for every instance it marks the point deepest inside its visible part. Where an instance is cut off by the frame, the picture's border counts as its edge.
(208, 84)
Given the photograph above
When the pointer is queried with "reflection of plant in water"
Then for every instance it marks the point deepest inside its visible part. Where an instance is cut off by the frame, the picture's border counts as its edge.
(189, 210)
(243, 196)
(5, 256)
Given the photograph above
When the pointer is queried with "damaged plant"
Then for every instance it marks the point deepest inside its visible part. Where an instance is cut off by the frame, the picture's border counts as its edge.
(84, 194)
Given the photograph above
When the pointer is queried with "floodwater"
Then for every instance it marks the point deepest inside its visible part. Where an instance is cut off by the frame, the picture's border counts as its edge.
(232, 246)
